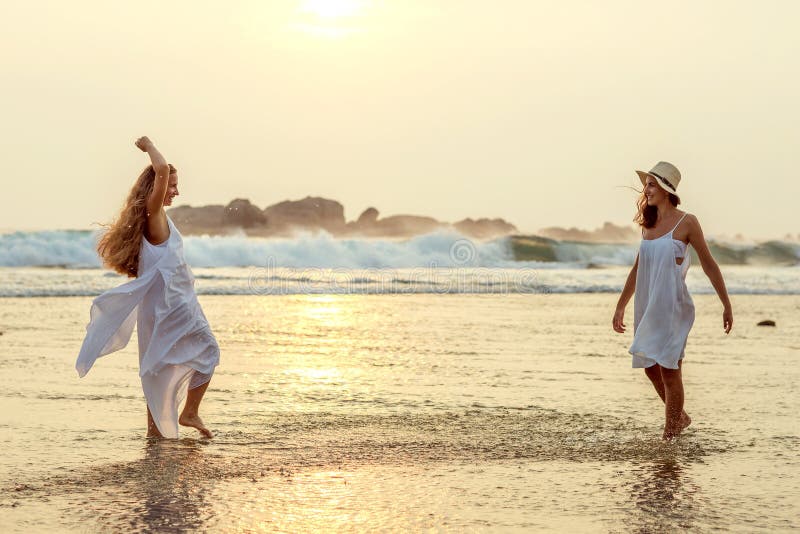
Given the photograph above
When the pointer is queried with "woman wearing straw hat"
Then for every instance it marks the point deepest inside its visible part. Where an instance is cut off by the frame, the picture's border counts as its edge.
(663, 308)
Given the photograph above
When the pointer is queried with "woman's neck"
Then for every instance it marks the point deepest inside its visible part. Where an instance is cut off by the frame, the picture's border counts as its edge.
(664, 212)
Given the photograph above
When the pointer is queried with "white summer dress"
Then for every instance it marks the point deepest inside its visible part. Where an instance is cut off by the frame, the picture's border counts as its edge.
(663, 308)
(176, 347)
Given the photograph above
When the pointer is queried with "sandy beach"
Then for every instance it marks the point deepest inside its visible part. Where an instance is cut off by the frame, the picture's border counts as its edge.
(406, 412)
(401, 228)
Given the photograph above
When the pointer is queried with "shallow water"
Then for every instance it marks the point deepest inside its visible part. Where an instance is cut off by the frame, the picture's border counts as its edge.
(398, 412)
(537, 277)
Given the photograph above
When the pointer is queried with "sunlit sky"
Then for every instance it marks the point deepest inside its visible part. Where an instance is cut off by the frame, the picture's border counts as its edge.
(534, 111)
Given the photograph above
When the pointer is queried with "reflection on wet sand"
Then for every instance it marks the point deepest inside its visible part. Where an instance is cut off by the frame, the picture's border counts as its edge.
(664, 493)
(165, 490)
(168, 488)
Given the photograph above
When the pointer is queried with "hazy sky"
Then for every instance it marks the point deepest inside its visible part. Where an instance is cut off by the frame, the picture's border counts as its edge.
(535, 111)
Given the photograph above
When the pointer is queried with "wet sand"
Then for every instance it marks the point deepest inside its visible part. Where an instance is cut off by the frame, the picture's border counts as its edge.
(406, 412)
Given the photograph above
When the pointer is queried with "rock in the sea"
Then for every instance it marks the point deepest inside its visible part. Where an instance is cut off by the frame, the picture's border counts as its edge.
(201, 220)
(310, 213)
(367, 217)
(240, 212)
(317, 213)
(608, 233)
(404, 226)
(766, 322)
(485, 228)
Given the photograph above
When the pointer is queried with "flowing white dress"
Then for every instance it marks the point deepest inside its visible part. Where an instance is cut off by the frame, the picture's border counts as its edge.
(663, 309)
(177, 349)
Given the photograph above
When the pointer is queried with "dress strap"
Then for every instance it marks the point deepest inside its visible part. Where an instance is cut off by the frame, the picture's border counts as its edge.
(673, 228)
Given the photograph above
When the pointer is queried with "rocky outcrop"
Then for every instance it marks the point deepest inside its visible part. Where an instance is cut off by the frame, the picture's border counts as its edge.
(319, 214)
(368, 217)
(403, 226)
(240, 212)
(201, 220)
(310, 213)
(608, 233)
(484, 228)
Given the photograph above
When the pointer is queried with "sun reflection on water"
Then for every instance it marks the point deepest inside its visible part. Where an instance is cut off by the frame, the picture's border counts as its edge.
(314, 375)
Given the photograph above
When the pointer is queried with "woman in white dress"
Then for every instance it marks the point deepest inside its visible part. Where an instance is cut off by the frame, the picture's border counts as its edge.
(177, 350)
(663, 308)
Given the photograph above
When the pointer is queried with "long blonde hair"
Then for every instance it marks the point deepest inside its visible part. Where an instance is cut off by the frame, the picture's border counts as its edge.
(119, 246)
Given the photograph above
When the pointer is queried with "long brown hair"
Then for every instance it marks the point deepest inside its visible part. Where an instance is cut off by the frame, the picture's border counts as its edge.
(119, 246)
(646, 216)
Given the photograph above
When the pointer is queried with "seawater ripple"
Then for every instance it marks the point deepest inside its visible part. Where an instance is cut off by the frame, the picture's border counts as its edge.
(294, 442)
(522, 278)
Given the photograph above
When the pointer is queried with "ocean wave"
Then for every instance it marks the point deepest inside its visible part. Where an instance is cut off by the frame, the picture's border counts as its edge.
(75, 249)
(539, 249)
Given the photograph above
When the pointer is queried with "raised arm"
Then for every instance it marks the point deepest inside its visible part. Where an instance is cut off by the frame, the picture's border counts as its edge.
(710, 267)
(627, 293)
(156, 200)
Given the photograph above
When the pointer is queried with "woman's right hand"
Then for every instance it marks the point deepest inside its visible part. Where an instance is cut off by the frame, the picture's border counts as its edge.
(619, 326)
(727, 320)
(143, 143)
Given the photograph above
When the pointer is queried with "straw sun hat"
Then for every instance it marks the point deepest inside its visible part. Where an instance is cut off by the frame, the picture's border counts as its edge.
(667, 176)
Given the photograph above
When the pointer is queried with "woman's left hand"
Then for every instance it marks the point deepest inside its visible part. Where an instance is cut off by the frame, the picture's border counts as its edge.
(143, 143)
(727, 319)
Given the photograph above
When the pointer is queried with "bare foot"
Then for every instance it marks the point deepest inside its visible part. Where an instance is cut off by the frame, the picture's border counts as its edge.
(684, 421)
(195, 422)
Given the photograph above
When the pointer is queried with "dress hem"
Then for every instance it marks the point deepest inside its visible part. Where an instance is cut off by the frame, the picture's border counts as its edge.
(640, 361)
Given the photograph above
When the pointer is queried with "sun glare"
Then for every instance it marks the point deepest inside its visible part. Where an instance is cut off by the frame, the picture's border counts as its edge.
(331, 18)
(333, 8)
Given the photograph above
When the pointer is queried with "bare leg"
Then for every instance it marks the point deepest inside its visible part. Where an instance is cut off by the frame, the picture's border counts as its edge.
(673, 386)
(654, 374)
(190, 415)
(152, 429)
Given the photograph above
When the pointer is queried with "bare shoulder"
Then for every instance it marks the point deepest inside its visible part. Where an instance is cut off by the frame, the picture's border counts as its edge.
(698, 240)
(691, 226)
